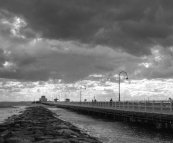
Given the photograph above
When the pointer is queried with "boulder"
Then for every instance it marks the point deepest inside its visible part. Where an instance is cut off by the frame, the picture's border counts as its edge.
(54, 141)
(61, 127)
(1, 140)
(6, 134)
(38, 138)
(67, 132)
(18, 140)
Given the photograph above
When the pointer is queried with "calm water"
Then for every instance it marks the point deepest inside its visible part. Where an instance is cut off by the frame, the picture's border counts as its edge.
(6, 112)
(107, 131)
(113, 132)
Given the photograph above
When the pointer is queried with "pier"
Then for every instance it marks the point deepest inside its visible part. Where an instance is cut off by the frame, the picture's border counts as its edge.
(157, 113)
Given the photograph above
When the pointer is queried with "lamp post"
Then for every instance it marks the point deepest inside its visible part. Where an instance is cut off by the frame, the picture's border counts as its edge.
(119, 82)
(81, 93)
(59, 96)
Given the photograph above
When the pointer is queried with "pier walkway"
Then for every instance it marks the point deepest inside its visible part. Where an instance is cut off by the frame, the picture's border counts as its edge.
(155, 112)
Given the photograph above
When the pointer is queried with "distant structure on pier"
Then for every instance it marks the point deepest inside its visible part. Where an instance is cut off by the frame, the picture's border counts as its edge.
(67, 100)
(55, 100)
(43, 99)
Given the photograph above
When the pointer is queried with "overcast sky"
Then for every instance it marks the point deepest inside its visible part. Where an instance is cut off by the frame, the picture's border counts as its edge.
(48, 47)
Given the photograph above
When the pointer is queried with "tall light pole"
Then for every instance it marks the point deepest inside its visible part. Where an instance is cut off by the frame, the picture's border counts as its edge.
(59, 96)
(81, 93)
(119, 82)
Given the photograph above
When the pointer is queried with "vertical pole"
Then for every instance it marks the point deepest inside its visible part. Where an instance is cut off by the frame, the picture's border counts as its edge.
(119, 82)
(171, 106)
(80, 94)
(161, 106)
(54, 101)
(119, 88)
(153, 106)
(145, 106)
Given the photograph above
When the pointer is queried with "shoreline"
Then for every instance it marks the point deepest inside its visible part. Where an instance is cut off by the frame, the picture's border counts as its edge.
(40, 125)
(8, 107)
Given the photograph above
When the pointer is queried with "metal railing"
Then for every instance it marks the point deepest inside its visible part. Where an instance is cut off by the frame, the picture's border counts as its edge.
(164, 107)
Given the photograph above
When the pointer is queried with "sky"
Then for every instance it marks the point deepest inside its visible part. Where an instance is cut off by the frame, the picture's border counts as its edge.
(57, 47)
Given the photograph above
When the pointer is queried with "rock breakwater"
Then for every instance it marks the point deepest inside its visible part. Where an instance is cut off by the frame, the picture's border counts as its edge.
(40, 125)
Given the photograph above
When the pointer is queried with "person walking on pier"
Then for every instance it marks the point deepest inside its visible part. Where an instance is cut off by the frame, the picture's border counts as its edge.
(111, 102)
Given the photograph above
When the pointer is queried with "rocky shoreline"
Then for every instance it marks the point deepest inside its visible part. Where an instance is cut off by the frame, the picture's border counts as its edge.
(40, 125)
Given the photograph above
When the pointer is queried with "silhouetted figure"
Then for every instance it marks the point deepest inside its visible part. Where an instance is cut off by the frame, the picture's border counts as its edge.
(170, 99)
(111, 102)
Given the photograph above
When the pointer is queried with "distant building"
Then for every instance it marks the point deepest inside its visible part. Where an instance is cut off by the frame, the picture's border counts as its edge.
(55, 100)
(67, 100)
(43, 99)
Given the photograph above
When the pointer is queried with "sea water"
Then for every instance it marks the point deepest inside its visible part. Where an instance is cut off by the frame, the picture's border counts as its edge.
(7, 112)
(114, 131)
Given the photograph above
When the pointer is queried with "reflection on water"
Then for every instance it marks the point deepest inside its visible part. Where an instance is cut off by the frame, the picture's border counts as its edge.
(113, 132)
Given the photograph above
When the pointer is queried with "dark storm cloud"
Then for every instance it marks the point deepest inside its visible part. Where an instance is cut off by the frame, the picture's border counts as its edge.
(2, 57)
(22, 58)
(133, 26)
(26, 74)
(104, 67)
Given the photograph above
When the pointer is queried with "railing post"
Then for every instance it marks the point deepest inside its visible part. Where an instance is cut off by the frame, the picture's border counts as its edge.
(133, 105)
(119, 104)
(123, 104)
(161, 106)
(153, 106)
(145, 106)
(139, 105)
(171, 106)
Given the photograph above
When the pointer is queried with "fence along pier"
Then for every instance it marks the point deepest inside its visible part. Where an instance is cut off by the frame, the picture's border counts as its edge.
(157, 113)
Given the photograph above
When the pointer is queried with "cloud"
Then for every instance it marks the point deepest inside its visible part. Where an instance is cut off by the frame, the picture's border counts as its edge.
(70, 40)
(132, 26)
(157, 65)
(44, 59)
